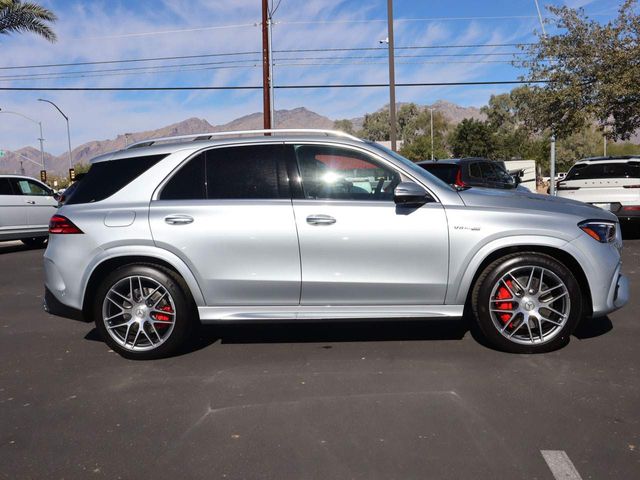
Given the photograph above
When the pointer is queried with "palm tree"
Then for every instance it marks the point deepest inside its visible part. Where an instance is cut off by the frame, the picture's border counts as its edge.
(16, 16)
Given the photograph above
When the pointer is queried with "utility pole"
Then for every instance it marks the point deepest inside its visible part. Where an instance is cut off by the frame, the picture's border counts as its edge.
(605, 145)
(552, 167)
(392, 78)
(271, 94)
(266, 66)
(431, 112)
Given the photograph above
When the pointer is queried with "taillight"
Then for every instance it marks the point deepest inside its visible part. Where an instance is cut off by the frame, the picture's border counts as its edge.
(459, 182)
(60, 224)
(634, 208)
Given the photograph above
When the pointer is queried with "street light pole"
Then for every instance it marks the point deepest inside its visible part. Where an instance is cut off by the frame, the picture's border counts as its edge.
(68, 132)
(41, 139)
(552, 167)
(431, 112)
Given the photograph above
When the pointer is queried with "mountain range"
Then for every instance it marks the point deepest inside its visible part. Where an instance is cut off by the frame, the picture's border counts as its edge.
(295, 118)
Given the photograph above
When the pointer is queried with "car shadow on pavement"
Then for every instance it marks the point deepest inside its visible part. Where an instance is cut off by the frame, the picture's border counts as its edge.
(316, 332)
(593, 327)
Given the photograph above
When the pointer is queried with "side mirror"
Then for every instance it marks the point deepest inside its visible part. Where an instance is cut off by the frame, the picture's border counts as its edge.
(517, 179)
(410, 194)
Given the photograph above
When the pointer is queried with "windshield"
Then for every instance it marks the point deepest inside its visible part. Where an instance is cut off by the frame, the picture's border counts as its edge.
(417, 169)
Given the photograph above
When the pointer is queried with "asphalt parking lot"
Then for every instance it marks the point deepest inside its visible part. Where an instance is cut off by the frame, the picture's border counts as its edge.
(383, 400)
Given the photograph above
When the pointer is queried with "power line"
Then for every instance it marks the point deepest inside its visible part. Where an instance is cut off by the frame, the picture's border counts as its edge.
(259, 87)
(208, 55)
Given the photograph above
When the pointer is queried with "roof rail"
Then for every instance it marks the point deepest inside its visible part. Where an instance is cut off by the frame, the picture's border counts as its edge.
(209, 136)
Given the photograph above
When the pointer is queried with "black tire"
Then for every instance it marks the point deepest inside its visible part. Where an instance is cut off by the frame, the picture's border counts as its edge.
(490, 278)
(185, 310)
(35, 242)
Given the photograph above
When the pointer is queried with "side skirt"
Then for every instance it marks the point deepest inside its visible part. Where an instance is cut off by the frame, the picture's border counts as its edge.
(313, 313)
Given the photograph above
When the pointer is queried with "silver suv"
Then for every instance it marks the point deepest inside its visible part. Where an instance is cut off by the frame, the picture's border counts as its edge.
(316, 225)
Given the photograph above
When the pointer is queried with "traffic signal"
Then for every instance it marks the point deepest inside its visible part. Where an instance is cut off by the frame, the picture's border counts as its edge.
(72, 174)
(43, 176)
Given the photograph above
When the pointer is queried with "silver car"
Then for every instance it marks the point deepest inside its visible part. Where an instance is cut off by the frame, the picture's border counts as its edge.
(26, 205)
(318, 225)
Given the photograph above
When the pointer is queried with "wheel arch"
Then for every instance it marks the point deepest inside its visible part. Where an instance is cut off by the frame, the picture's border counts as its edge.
(559, 254)
(115, 260)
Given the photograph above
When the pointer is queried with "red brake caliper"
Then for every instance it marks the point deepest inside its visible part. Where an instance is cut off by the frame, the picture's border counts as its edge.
(163, 318)
(503, 293)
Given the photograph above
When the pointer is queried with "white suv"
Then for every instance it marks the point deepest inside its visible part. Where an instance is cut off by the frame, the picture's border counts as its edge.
(26, 205)
(611, 183)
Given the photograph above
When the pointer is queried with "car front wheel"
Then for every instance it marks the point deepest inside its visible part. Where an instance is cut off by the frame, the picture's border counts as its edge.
(143, 311)
(527, 303)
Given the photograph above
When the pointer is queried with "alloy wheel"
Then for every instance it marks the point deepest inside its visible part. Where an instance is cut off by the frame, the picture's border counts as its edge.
(138, 313)
(529, 305)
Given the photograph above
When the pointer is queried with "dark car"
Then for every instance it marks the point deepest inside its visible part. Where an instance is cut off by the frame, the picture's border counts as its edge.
(471, 172)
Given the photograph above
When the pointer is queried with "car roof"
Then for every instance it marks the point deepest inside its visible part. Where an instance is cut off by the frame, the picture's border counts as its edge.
(168, 145)
(616, 158)
(25, 177)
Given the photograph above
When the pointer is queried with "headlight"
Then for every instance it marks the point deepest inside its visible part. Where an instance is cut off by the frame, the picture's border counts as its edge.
(604, 232)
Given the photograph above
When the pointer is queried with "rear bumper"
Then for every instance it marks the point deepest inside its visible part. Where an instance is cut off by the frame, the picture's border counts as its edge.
(55, 307)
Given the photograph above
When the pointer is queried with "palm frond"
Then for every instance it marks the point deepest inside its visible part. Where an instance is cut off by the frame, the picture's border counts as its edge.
(17, 17)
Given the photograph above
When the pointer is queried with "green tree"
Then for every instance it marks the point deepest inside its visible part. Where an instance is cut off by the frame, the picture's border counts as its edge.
(17, 16)
(592, 71)
(472, 138)
(344, 126)
(417, 136)
(376, 126)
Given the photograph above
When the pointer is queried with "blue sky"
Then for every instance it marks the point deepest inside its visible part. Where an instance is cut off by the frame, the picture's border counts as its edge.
(115, 30)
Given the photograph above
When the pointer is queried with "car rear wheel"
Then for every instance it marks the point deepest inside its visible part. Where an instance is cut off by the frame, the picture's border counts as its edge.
(527, 303)
(35, 241)
(144, 311)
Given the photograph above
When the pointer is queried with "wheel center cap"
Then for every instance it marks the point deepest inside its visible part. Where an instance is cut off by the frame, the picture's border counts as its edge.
(140, 312)
(529, 305)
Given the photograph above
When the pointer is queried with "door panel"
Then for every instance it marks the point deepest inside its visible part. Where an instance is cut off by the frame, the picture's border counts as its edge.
(356, 246)
(374, 253)
(39, 202)
(242, 252)
(227, 213)
(13, 210)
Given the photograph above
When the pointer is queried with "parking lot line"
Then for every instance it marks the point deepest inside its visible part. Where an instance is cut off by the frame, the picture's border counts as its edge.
(560, 465)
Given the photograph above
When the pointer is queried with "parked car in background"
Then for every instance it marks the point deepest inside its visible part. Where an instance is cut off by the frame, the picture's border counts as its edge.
(471, 172)
(611, 183)
(26, 205)
(525, 170)
(318, 225)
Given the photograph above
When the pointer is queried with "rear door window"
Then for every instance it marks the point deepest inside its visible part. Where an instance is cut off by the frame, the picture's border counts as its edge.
(5, 187)
(106, 178)
(228, 173)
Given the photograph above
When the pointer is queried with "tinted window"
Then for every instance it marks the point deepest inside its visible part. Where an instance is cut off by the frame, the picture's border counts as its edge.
(585, 171)
(253, 171)
(106, 178)
(28, 187)
(5, 187)
(189, 182)
(488, 172)
(474, 170)
(338, 173)
(444, 171)
(503, 176)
